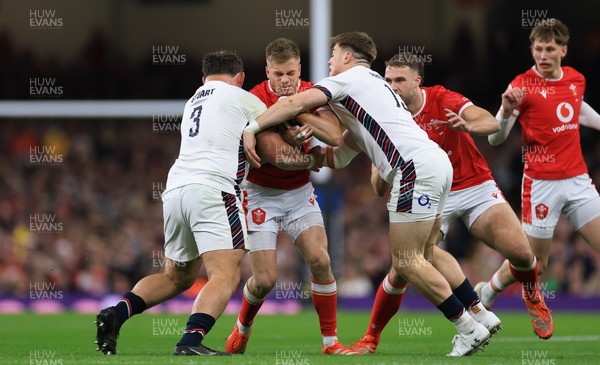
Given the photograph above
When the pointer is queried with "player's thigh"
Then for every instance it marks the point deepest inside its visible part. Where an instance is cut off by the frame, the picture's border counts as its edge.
(591, 233)
(312, 243)
(264, 266)
(583, 208)
(409, 240)
(183, 273)
(224, 264)
(499, 228)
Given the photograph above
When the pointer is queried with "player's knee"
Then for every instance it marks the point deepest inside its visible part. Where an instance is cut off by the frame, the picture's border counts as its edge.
(320, 264)
(520, 256)
(264, 282)
(182, 280)
(541, 267)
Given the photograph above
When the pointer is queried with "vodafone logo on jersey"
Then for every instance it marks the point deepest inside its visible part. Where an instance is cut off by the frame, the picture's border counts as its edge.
(258, 216)
(541, 211)
(565, 112)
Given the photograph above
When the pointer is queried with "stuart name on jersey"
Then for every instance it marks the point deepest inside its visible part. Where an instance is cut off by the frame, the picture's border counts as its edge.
(202, 93)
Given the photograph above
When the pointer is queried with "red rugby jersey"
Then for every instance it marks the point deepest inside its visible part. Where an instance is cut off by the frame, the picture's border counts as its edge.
(270, 176)
(469, 166)
(549, 117)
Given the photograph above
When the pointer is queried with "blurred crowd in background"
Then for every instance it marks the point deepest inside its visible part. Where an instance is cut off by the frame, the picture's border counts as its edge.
(87, 215)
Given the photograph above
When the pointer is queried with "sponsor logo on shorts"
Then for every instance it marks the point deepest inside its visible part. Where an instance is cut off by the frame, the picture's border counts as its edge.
(541, 211)
(424, 201)
(258, 216)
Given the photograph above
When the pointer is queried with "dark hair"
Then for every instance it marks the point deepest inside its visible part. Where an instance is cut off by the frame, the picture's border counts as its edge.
(281, 50)
(548, 30)
(409, 60)
(360, 43)
(222, 62)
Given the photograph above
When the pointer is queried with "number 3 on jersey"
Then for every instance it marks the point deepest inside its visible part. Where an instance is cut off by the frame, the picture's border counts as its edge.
(196, 121)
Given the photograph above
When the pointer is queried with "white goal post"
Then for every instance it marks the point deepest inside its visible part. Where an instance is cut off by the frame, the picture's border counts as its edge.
(90, 108)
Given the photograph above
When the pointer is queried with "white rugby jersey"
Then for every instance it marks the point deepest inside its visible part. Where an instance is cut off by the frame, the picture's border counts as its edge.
(211, 151)
(377, 118)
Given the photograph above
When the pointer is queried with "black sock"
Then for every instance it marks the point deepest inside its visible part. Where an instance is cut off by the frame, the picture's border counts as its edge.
(466, 294)
(129, 306)
(197, 327)
(452, 307)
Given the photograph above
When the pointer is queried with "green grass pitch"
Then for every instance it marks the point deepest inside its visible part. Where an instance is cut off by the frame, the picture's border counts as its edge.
(410, 338)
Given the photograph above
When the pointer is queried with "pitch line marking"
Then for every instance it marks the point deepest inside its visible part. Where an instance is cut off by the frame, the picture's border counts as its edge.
(553, 339)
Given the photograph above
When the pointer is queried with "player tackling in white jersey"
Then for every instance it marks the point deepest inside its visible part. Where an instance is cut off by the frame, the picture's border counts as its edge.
(379, 123)
(203, 218)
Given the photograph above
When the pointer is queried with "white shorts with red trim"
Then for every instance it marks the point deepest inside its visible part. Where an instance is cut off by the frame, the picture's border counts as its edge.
(542, 202)
(468, 204)
(421, 187)
(272, 210)
(199, 218)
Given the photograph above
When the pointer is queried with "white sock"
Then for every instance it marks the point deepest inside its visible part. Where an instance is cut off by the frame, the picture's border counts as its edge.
(478, 312)
(243, 329)
(488, 293)
(465, 323)
(329, 340)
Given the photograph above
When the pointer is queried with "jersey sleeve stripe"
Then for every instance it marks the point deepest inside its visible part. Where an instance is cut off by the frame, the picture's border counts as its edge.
(325, 91)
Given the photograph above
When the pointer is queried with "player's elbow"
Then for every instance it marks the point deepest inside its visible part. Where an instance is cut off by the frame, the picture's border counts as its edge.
(335, 139)
(494, 140)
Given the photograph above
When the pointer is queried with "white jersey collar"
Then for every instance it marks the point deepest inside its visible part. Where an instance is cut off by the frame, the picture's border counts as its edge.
(540, 75)
(422, 105)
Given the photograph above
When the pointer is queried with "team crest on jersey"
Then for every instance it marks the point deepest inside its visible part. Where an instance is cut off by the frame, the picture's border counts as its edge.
(258, 216)
(573, 89)
(541, 211)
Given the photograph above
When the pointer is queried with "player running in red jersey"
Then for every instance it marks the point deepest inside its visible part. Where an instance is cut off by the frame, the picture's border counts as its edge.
(548, 102)
(285, 199)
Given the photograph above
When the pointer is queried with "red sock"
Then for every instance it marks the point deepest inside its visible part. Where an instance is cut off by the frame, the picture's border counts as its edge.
(324, 296)
(250, 306)
(528, 277)
(387, 303)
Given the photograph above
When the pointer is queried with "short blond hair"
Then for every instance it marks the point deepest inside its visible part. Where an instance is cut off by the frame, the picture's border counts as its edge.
(282, 50)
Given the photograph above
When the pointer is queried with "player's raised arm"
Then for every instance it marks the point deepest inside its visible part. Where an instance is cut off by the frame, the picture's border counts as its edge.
(507, 115)
(589, 117)
(474, 120)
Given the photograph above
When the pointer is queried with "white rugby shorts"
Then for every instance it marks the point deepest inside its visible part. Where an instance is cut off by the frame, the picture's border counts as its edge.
(421, 187)
(468, 204)
(270, 210)
(199, 218)
(542, 202)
